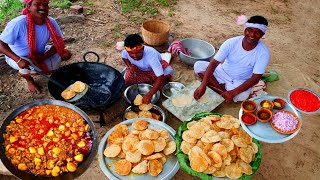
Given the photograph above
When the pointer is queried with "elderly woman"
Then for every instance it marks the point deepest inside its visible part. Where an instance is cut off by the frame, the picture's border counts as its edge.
(25, 39)
(144, 65)
(244, 58)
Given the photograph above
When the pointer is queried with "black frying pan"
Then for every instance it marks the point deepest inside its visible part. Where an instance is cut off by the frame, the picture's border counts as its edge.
(65, 176)
(106, 84)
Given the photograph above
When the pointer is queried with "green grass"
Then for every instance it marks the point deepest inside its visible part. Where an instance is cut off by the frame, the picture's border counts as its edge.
(10, 9)
(60, 3)
(89, 3)
(146, 8)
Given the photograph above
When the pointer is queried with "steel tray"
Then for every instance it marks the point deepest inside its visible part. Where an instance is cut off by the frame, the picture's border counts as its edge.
(170, 168)
(263, 131)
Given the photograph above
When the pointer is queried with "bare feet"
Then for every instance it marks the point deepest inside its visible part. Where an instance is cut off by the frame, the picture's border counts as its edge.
(32, 86)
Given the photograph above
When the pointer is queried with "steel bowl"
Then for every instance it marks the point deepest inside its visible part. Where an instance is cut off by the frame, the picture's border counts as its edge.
(155, 109)
(171, 89)
(132, 91)
(200, 51)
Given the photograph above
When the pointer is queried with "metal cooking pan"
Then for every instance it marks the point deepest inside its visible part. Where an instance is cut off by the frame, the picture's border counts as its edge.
(65, 176)
(106, 84)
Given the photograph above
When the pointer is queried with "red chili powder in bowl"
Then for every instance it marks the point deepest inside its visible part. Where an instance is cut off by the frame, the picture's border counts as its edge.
(305, 100)
(248, 119)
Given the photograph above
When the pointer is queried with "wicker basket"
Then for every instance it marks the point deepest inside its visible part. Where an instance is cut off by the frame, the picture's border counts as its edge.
(155, 32)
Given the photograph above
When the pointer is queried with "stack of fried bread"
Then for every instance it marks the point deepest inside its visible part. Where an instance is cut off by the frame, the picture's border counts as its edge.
(145, 110)
(76, 87)
(218, 146)
(140, 151)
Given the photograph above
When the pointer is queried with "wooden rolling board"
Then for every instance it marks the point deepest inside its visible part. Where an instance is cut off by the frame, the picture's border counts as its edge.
(187, 112)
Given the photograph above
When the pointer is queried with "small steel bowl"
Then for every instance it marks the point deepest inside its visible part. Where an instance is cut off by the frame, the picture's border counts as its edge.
(171, 89)
(155, 109)
(132, 91)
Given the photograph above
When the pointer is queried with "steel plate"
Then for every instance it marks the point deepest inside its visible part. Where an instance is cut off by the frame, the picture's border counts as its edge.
(170, 168)
(318, 111)
(263, 131)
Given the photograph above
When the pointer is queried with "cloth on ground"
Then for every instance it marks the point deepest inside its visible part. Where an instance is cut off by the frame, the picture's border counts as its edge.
(176, 47)
(258, 89)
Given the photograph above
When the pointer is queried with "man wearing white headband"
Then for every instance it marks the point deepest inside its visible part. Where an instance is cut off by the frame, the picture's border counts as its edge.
(245, 59)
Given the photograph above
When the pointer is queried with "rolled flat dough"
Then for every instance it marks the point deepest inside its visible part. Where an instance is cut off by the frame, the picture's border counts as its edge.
(182, 100)
(204, 99)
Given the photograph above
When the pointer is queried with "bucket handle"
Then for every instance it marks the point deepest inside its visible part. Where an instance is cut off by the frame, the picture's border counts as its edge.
(90, 52)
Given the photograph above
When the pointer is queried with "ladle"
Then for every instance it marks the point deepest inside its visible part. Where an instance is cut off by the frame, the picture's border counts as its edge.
(39, 71)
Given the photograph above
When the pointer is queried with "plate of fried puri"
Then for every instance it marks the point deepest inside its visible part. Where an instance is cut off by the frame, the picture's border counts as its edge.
(214, 146)
(139, 148)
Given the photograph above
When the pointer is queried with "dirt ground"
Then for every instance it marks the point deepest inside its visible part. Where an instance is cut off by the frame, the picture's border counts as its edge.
(292, 38)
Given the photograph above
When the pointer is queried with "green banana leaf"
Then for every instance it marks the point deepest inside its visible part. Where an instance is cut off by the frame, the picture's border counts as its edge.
(184, 159)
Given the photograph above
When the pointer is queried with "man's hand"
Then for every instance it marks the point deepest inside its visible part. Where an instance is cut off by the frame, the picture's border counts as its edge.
(147, 98)
(228, 96)
(66, 55)
(199, 92)
(38, 57)
(23, 64)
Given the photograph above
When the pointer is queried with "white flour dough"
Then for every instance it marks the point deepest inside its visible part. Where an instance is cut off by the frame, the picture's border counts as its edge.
(182, 100)
(204, 99)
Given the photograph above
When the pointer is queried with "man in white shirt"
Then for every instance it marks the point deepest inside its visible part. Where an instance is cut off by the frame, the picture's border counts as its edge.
(238, 65)
(25, 38)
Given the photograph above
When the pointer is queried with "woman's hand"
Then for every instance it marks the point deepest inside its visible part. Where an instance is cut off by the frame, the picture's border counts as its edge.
(147, 98)
(199, 92)
(132, 70)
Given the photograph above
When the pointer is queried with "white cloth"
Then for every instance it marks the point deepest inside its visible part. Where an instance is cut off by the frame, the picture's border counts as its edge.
(223, 78)
(15, 35)
(150, 60)
(262, 27)
(166, 56)
(239, 63)
(53, 63)
(258, 89)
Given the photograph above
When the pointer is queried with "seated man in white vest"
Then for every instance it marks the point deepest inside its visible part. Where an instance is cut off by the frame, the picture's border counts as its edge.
(238, 65)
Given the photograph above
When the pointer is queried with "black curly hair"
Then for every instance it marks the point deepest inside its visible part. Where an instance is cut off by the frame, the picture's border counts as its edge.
(133, 40)
(258, 20)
